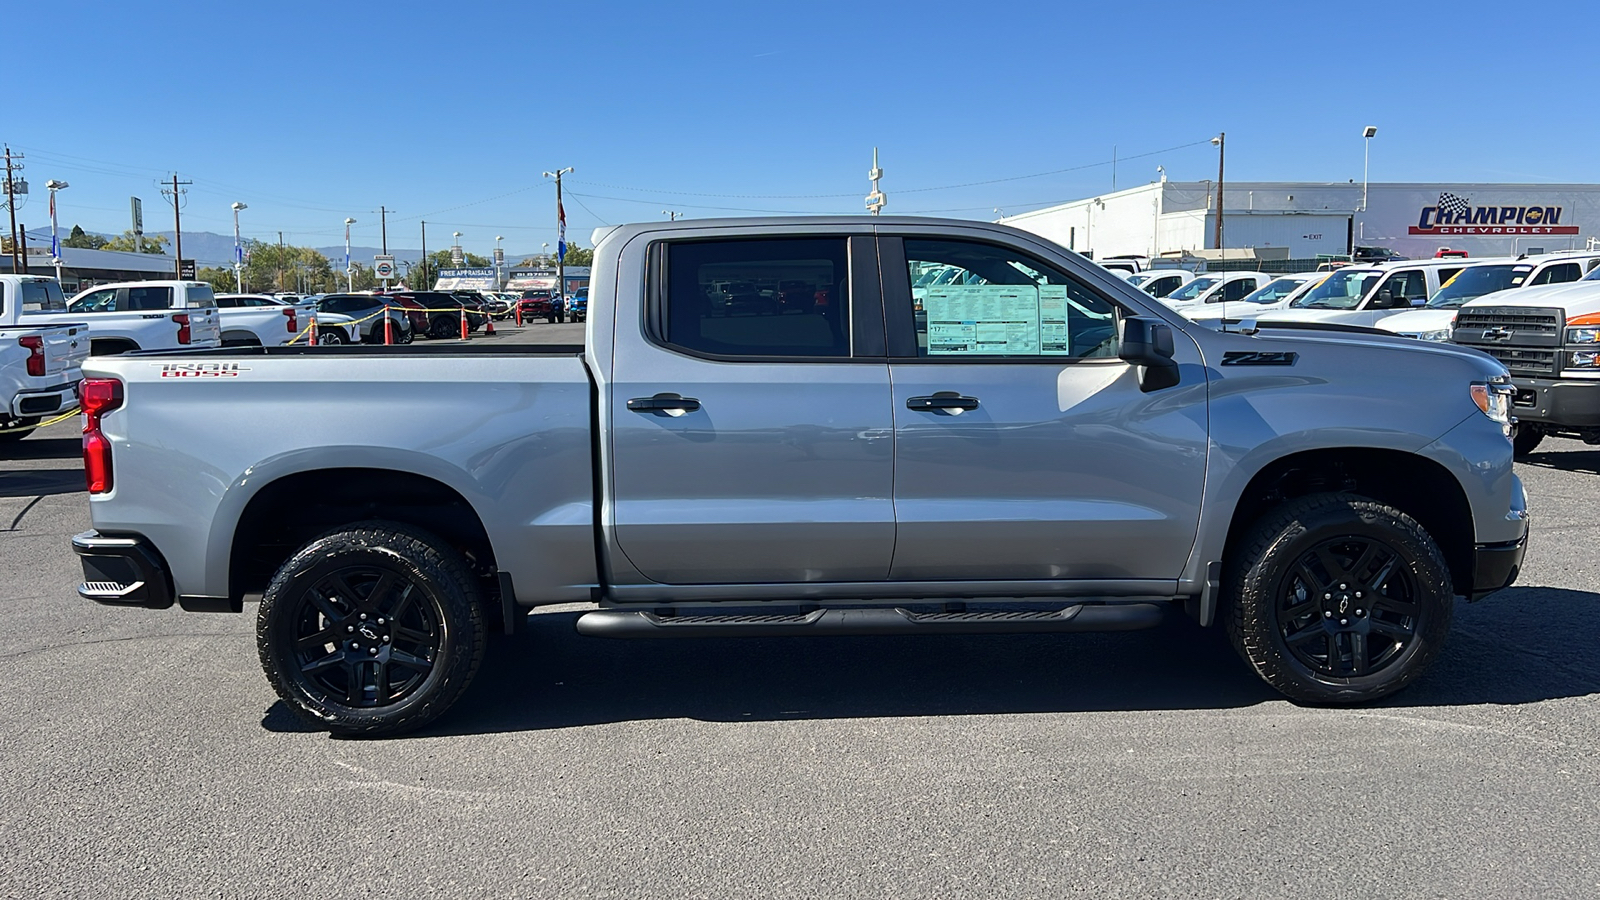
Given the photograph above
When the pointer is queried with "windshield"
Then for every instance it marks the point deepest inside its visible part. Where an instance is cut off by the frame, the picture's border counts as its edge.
(1275, 291)
(1141, 278)
(1193, 289)
(1475, 281)
(1343, 290)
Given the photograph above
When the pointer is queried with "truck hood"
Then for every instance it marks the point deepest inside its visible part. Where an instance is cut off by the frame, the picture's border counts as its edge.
(1418, 321)
(1308, 339)
(1240, 310)
(1584, 294)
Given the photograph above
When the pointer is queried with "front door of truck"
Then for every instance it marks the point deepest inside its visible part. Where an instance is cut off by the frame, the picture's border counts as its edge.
(751, 435)
(1025, 448)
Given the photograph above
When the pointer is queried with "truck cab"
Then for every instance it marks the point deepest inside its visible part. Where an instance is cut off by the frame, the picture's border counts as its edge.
(39, 363)
(1365, 295)
(147, 315)
(1481, 278)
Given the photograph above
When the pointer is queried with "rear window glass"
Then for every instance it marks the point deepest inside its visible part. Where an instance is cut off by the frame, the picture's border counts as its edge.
(201, 296)
(42, 297)
(149, 298)
(759, 297)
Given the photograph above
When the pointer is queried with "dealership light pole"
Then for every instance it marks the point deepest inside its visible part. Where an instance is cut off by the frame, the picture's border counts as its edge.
(349, 277)
(238, 250)
(55, 239)
(1369, 133)
(1220, 141)
(561, 240)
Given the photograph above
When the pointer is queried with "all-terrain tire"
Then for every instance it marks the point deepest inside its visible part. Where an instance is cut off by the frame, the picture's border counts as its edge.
(1314, 573)
(374, 629)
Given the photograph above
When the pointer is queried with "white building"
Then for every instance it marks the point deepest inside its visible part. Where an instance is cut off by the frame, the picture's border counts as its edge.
(1308, 218)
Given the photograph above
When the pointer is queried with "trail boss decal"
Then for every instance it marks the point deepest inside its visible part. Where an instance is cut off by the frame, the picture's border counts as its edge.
(1457, 215)
(200, 370)
(1254, 358)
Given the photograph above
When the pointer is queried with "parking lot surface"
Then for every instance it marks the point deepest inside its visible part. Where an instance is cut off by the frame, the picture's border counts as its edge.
(145, 755)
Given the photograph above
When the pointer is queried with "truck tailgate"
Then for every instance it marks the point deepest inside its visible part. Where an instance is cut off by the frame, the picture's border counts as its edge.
(65, 349)
(205, 327)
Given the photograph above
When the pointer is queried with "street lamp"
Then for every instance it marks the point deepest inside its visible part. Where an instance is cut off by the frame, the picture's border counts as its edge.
(456, 256)
(544, 252)
(499, 260)
(1368, 133)
(55, 239)
(349, 283)
(1220, 142)
(238, 250)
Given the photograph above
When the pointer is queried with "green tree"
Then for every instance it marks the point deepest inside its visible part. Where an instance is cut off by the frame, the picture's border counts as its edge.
(221, 280)
(145, 244)
(577, 256)
(275, 268)
(83, 240)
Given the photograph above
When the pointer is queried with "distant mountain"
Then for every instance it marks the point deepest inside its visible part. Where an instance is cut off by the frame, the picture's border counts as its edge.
(210, 249)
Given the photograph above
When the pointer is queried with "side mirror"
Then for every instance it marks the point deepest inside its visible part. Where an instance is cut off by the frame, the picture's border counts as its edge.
(1148, 342)
(1385, 299)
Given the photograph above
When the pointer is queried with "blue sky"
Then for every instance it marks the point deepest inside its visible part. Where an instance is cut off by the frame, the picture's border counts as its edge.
(311, 112)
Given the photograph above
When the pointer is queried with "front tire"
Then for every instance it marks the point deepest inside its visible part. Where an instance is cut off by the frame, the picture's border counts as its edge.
(1337, 598)
(330, 337)
(1524, 440)
(372, 630)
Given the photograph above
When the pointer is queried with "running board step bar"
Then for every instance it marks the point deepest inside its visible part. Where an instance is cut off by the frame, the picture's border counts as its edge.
(623, 623)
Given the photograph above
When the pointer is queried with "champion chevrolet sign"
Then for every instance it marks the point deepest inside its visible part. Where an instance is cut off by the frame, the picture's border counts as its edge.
(1457, 215)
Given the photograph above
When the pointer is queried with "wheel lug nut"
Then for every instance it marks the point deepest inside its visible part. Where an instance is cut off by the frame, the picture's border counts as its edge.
(373, 651)
(1358, 595)
(386, 639)
(1360, 612)
(1326, 614)
(363, 616)
(380, 620)
(1341, 587)
(349, 628)
(1327, 596)
(1344, 621)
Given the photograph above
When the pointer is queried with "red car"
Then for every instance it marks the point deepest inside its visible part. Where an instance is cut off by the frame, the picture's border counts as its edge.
(540, 305)
(414, 311)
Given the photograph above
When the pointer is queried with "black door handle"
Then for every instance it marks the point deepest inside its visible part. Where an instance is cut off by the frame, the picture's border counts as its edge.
(942, 400)
(667, 403)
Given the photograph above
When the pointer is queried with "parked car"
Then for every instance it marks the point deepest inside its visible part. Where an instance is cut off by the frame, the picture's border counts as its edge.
(578, 304)
(538, 305)
(261, 319)
(1481, 278)
(1366, 295)
(445, 323)
(1215, 287)
(146, 315)
(39, 364)
(1275, 294)
(368, 311)
(1321, 494)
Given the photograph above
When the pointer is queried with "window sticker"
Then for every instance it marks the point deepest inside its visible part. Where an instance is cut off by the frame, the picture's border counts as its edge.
(986, 319)
(1053, 334)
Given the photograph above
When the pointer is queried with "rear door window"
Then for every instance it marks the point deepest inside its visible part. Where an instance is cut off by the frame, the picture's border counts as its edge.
(1560, 273)
(149, 298)
(42, 297)
(104, 300)
(757, 298)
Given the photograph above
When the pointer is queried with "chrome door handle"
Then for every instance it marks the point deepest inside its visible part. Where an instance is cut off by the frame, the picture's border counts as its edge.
(671, 404)
(942, 400)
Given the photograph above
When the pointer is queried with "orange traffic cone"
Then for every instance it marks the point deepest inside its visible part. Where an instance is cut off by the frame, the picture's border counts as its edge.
(465, 334)
(488, 328)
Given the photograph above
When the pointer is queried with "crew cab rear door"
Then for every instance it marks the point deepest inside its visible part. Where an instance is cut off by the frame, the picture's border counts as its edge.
(751, 439)
(1025, 448)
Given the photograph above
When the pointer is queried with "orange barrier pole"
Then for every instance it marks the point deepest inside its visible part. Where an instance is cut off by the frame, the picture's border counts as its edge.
(464, 332)
(388, 328)
(312, 332)
(519, 313)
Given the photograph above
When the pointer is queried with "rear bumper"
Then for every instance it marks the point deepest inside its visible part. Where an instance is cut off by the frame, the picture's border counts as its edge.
(122, 571)
(45, 401)
(1496, 566)
(1571, 403)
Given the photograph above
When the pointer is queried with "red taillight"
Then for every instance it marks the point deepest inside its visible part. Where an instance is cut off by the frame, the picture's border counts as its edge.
(96, 397)
(35, 345)
(183, 327)
(293, 325)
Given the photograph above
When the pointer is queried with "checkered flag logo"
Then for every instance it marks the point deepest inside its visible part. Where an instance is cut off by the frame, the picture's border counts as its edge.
(1457, 207)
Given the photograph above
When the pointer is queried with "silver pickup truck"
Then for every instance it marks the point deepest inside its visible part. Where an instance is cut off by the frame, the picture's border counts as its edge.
(1034, 446)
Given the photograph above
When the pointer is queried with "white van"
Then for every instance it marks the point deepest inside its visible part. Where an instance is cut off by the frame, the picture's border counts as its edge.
(1365, 295)
(1484, 277)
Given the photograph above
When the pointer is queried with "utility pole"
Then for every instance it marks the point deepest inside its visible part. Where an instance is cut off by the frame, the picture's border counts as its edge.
(671, 214)
(876, 200)
(176, 195)
(1221, 141)
(561, 244)
(383, 223)
(277, 281)
(425, 286)
(11, 204)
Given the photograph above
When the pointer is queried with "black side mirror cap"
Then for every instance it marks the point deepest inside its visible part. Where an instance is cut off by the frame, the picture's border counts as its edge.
(1148, 342)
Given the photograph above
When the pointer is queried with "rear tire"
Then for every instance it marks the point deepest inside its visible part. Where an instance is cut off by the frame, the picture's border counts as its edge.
(371, 630)
(330, 337)
(1524, 440)
(1337, 598)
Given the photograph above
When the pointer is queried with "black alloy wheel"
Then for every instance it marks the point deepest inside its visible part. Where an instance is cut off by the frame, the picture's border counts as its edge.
(371, 630)
(1337, 598)
(330, 337)
(440, 327)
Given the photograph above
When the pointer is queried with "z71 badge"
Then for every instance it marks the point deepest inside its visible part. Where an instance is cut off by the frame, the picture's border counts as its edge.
(1256, 358)
(200, 370)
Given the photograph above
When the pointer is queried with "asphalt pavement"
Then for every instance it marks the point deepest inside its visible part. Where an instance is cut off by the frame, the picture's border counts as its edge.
(144, 754)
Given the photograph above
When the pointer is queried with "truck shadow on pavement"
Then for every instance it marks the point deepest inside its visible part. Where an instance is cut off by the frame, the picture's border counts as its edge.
(1523, 645)
(33, 481)
(1584, 462)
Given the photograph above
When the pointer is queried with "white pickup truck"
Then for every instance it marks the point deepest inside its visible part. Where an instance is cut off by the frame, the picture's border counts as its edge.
(39, 364)
(147, 315)
(250, 320)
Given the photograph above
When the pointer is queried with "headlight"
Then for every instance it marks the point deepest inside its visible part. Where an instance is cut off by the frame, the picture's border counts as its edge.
(1442, 334)
(1584, 335)
(1494, 399)
(1585, 359)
